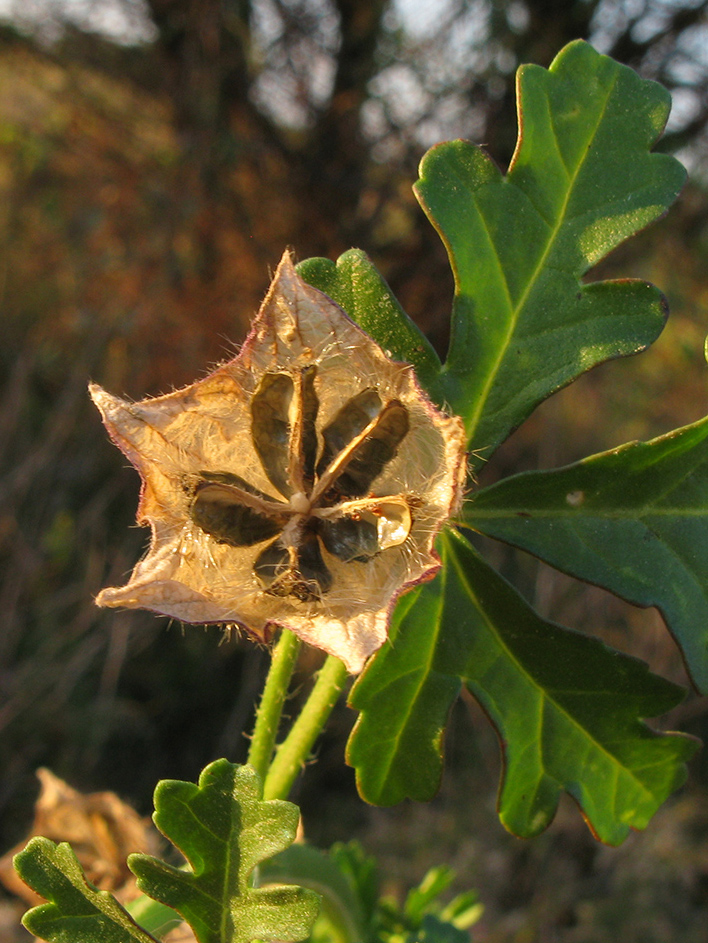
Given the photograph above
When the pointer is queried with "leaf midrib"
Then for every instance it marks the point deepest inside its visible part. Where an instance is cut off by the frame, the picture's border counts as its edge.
(473, 420)
(423, 670)
(547, 697)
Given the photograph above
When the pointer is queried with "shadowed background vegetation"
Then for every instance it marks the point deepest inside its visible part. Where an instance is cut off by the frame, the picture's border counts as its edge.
(147, 187)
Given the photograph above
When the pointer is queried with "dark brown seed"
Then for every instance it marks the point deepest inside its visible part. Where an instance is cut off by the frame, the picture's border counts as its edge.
(349, 539)
(228, 478)
(370, 457)
(272, 563)
(270, 427)
(296, 571)
(352, 419)
(228, 522)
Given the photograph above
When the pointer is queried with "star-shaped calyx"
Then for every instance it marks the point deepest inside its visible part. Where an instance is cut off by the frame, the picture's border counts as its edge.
(301, 484)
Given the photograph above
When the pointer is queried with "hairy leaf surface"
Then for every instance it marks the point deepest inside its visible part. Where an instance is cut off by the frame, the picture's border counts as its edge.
(567, 709)
(224, 829)
(633, 520)
(341, 904)
(581, 181)
(76, 912)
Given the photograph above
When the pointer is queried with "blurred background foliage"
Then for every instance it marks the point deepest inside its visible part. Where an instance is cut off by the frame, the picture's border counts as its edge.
(155, 159)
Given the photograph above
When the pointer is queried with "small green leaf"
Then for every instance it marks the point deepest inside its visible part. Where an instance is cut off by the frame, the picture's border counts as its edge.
(633, 520)
(463, 911)
(582, 180)
(354, 283)
(567, 708)
(362, 873)
(76, 912)
(307, 866)
(435, 930)
(224, 829)
(419, 899)
(423, 917)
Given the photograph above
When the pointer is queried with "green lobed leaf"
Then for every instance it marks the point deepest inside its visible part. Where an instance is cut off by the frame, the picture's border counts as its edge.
(404, 701)
(354, 283)
(567, 708)
(225, 829)
(76, 912)
(633, 520)
(581, 181)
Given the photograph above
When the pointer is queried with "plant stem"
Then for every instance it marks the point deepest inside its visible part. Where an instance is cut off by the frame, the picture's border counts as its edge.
(292, 753)
(270, 708)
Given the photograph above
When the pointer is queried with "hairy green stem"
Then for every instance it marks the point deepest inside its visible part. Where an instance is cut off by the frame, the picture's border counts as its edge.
(292, 753)
(270, 708)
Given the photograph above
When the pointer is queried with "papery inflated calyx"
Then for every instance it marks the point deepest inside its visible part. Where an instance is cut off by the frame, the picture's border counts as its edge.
(301, 484)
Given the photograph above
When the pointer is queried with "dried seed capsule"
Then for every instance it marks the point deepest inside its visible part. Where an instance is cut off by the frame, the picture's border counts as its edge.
(342, 534)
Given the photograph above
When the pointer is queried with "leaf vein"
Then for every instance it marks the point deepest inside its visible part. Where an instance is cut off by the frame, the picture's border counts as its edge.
(518, 308)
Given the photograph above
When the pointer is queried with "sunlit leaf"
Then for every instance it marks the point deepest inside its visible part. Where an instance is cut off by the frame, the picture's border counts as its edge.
(224, 829)
(76, 912)
(582, 180)
(404, 700)
(568, 709)
(633, 520)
